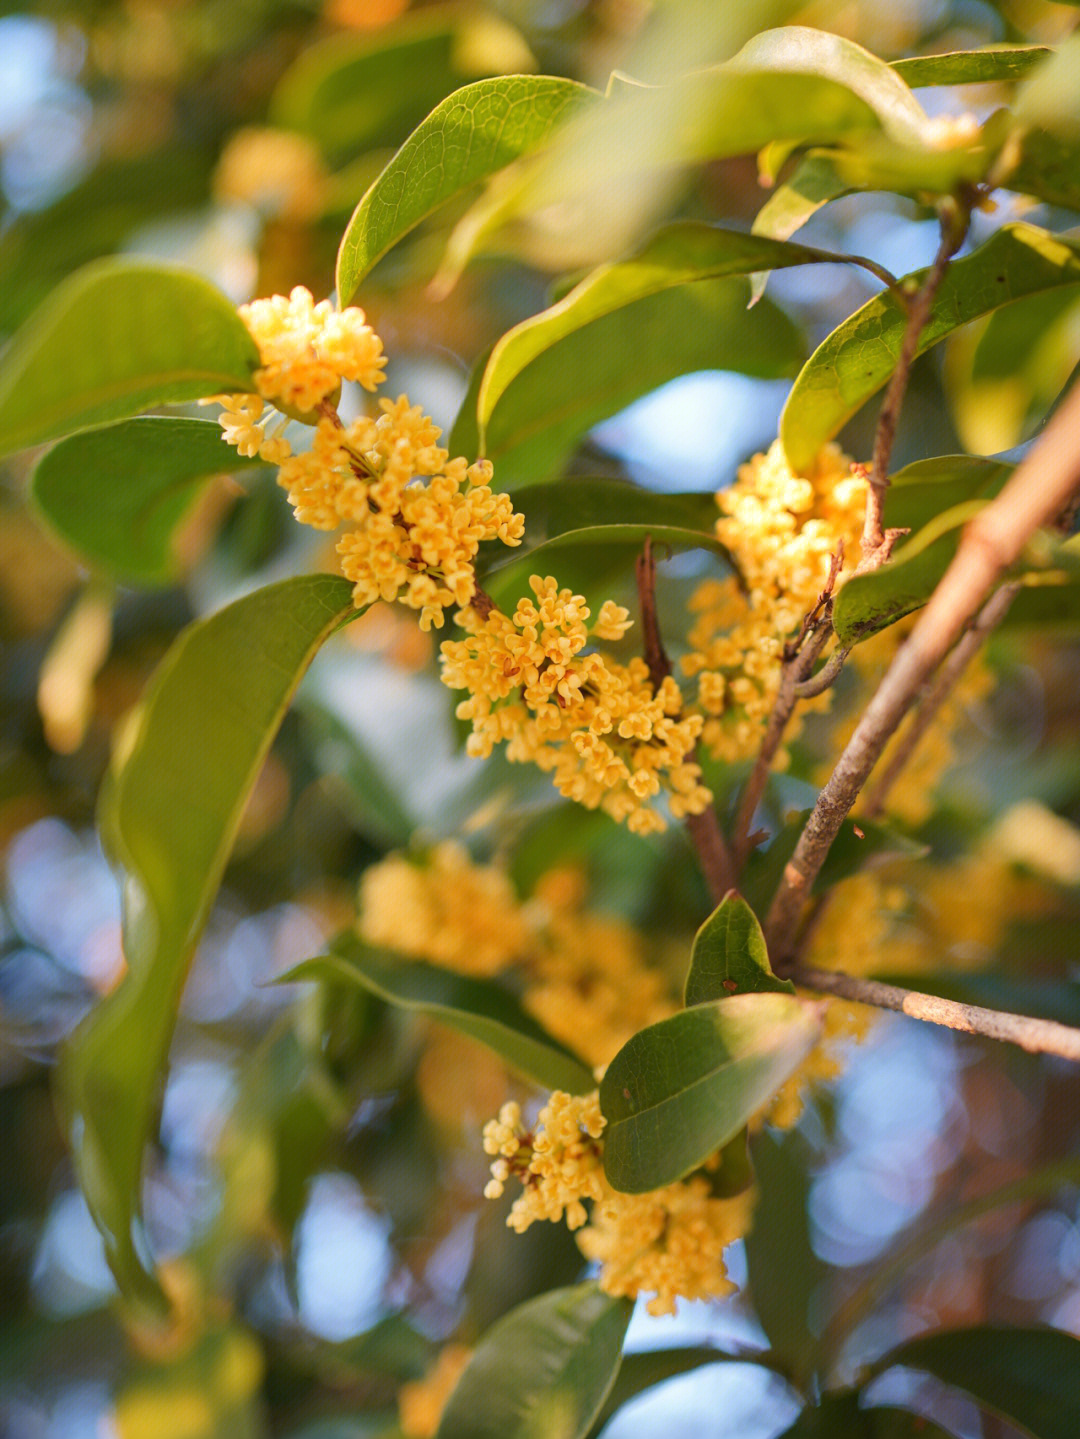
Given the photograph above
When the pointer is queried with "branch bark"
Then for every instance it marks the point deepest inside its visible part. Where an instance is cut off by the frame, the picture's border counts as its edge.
(1040, 488)
(1038, 1036)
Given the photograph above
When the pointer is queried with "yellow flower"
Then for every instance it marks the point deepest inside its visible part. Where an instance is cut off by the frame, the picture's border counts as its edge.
(421, 1403)
(606, 736)
(782, 530)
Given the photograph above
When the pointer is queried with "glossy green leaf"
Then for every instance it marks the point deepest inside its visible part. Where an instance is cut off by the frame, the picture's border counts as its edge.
(1049, 98)
(509, 582)
(613, 169)
(853, 362)
(677, 255)
(118, 494)
(1003, 373)
(1030, 1376)
(838, 1416)
(38, 248)
(113, 339)
(801, 50)
(785, 1277)
(970, 67)
(477, 1007)
(469, 136)
(599, 369)
(543, 1371)
(182, 776)
(922, 491)
(1048, 169)
(1048, 606)
(352, 91)
(680, 1089)
(813, 183)
(730, 957)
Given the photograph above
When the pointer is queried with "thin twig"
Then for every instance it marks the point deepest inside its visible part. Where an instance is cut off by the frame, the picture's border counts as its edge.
(791, 675)
(799, 660)
(1038, 1036)
(991, 615)
(712, 852)
(1039, 489)
(655, 654)
(877, 543)
(827, 676)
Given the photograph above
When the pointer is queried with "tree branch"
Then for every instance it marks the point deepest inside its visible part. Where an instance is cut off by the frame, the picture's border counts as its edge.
(877, 543)
(1039, 489)
(1038, 1036)
(798, 662)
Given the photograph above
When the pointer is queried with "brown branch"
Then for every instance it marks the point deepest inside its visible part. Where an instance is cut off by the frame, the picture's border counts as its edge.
(655, 654)
(712, 852)
(827, 676)
(1038, 1036)
(1039, 489)
(877, 542)
(799, 660)
(991, 614)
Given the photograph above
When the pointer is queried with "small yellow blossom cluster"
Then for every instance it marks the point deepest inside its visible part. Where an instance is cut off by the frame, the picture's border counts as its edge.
(583, 975)
(421, 1402)
(558, 1161)
(446, 909)
(609, 738)
(668, 1242)
(408, 541)
(782, 530)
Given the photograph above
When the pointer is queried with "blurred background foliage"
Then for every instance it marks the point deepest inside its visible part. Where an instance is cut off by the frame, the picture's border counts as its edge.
(317, 1186)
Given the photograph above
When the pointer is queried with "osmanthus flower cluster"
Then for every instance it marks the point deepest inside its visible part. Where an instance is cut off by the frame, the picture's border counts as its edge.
(586, 977)
(609, 738)
(782, 530)
(415, 518)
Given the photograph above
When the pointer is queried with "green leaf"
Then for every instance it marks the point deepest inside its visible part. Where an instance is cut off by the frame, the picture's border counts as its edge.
(676, 255)
(118, 494)
(838, 1416)
(1048, 169)
(785, 1275)
(853, 362)
(169, 813)
(801, 50)
(114, 338)
(1002, 374)
(543, 1371)
(508, 582)
(729, 956)
(814, 182)
(469, 136)
(1049, 99)
(680, 1089)
(354, 91)
(601, 368)
(1029, 1376)
(970, 67)
(477, 1007)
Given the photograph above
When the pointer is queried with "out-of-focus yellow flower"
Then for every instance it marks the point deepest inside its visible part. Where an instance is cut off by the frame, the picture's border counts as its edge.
(421, 1403)
(278, 172)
